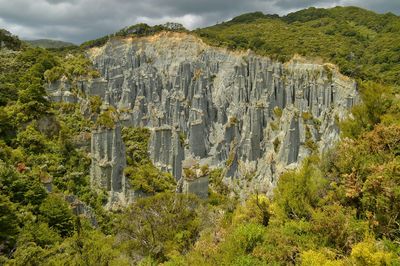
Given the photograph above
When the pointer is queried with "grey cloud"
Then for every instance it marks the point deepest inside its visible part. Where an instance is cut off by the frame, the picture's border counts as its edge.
(60, 1)
(288, 4)
(80, 20)
(379, 6)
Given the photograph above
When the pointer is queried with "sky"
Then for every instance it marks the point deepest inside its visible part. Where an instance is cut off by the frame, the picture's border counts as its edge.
(80, 20)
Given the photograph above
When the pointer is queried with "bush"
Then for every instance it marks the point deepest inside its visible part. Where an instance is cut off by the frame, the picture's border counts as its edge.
(107, 118)
(32, 140)
(368, 252)
(56, 212)
(39, 233)
(161, 225)
(255, 210)
(376, 102)
(149, 179)
(95, 104)
(298, 192)
(8, 224)
(245, 238)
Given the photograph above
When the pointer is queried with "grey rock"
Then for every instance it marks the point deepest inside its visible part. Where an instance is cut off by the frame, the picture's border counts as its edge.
(108, 163)
(222, 101)
(194, 179)
(80, 208)
(166, 150)
(198, 187)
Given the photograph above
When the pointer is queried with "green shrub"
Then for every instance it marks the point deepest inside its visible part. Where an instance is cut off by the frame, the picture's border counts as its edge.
(32, 140)
(161, 225)
(56, 212)
(298, 192)
(149, 179)
(8, 224)
(276, 144)
(246, 237)
(95, 104)
(278, 112)
(306, 116)
(107, 118)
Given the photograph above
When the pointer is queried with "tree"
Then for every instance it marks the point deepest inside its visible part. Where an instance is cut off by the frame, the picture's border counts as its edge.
(56, 212)
(298, 192)
(21, 188)
(368, 252)
(39, 233)
(147, 178)
(244, 239)
(338, 227)
(32, 140)
(8, 224)
(32, 101)
(28, 254)
(376, 102)
(26, 190)
(141, 172)
(161, 225)
(254, 210)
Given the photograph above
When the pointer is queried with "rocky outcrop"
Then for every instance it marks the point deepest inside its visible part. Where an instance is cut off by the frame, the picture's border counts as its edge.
(194, 179)
(61, 91)
(108, 163)
(229, 109)
(197, 186)
(80, 208)
(166, 150)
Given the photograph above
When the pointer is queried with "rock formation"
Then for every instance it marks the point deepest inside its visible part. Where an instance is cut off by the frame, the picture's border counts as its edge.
(194, 179)
(166, 150)
(235, 110)
(108, 162)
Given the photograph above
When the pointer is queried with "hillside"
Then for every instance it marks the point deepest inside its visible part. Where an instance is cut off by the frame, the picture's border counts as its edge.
(46, 43)
(7, 40)
(161, 146)
(362, 43)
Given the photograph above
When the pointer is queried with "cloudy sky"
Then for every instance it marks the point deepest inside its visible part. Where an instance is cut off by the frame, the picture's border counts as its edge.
(80, 20)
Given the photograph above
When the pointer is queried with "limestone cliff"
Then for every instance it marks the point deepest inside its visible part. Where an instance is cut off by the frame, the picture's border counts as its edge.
(236, 110)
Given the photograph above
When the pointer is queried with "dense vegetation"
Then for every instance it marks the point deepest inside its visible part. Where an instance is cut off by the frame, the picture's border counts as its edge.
(9, 41)
(339, 208)
(38, 146)
(362, 43)
(137, 30)
(45, 43)
(44, 161)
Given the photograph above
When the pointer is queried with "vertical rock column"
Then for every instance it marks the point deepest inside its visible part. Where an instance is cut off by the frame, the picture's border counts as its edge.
(108, 160)
(166, 150)
(292, 141)
(197, 139)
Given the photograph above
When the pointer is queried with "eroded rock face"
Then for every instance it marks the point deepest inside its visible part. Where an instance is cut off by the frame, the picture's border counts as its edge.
(166, 150)
(108, 163)
(248, 113)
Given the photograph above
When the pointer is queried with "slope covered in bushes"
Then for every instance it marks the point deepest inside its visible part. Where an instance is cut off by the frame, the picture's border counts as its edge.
(362, 43)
